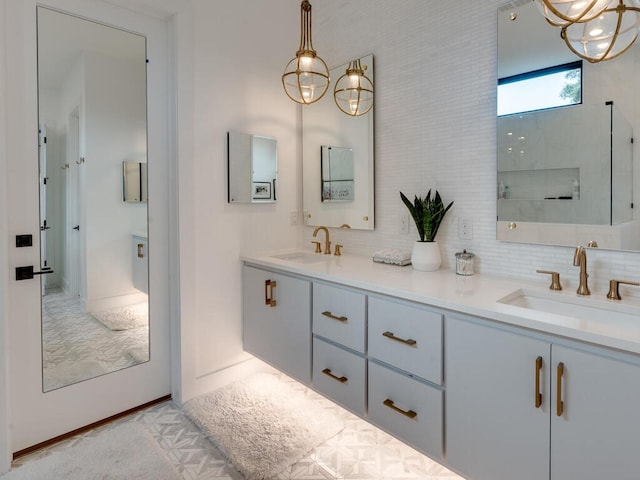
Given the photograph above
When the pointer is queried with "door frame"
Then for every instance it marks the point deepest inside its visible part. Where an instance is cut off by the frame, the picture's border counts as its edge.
(35, 416)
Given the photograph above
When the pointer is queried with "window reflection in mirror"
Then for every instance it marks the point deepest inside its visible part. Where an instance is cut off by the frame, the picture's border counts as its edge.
(565, 175)
(92, 114)
(252, 168)
(350, 199)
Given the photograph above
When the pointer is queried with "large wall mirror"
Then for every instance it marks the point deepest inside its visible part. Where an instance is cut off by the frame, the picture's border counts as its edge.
(565, 174)
(93, 122)
(338, 162)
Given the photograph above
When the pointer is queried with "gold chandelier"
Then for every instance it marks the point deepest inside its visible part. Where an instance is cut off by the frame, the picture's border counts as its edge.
(306, 77)
(595, 30)
(353, 92)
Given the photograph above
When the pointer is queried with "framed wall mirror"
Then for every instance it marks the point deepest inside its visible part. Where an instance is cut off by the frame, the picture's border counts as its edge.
(252, 168)
(92, 115)
(566, 171)
(338, 162)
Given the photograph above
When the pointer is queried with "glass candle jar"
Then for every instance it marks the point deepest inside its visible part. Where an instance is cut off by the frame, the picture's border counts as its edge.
(464, 263)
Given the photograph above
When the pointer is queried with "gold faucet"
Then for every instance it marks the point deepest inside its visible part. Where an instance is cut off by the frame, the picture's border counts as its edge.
(580, 260)
(327, 243)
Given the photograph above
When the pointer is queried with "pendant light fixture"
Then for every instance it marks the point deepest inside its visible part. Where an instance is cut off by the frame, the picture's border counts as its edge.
(606, 36)
(306, 77)
(353, 92)
(560, 13)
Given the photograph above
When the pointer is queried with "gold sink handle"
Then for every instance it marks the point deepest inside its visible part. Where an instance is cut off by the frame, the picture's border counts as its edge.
(614, 288)
(555, 279)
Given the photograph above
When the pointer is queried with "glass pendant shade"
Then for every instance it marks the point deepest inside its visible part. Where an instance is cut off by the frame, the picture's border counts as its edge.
(353, 92)
(607, 36)
(306, 77)
(561, 13)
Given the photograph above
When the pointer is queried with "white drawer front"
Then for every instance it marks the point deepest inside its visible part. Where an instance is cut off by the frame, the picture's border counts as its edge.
(406, 408)
(340, 375)
(339, 315)
(407, 337)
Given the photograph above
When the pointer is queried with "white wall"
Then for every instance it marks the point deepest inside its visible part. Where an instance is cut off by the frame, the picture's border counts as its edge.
(239, 53)
(435, 77)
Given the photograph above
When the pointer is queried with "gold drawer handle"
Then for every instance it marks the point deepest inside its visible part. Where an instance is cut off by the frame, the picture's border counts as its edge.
(333, 317)
(408, 341)
(140, 252)
(559, 402)
(409, 413)
(269, 285)
(538, 399)
(328, 373)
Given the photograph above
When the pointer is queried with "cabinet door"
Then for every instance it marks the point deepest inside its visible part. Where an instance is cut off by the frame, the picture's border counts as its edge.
(494, 430)
(277, 320)
(140, 264)
(598, 434)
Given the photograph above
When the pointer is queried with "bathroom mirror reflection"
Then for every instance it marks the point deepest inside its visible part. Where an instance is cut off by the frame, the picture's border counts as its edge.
(92, 115)
(252, 168)
(134, 181)
(338, 162)
(565, 175)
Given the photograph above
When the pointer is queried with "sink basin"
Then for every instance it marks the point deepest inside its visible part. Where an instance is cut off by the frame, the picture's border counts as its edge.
(568, 305)
(300, 257)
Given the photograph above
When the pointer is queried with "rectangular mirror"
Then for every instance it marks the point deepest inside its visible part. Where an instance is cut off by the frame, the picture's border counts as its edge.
(134, 181)
(92, 111)
(565, 174)
(338, 162)
(337, 174)
(252, 168)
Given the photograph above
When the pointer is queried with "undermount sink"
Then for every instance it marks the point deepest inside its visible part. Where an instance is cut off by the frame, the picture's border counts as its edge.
(300, 257)
(568, 305)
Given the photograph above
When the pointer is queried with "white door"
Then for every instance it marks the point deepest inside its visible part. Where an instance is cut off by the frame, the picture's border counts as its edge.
(36, 416)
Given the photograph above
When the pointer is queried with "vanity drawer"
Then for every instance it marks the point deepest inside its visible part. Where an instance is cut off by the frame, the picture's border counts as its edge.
(407, 337)
(407, 408)
(339, 315)
(340, 375)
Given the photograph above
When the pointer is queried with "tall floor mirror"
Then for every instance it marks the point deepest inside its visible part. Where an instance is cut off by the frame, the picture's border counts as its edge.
(93, 212)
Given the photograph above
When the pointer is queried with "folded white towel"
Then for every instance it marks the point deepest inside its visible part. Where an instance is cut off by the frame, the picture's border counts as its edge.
(392, 256)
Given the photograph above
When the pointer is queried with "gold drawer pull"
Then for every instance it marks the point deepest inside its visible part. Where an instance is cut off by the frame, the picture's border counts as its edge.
(269, 285)
(333, 317)
(538, 399)
(409, 413)
(328, 373)
(140, 252)
(559, 402)
(408, 341)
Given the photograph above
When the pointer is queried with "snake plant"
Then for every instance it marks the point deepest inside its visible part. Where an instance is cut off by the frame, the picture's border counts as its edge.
(427, 213)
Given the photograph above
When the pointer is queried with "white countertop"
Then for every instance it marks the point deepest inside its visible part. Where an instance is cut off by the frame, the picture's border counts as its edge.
(476, 295)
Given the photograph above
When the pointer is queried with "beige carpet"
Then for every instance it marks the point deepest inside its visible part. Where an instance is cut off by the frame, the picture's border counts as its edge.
(125, 452)
(261, 424)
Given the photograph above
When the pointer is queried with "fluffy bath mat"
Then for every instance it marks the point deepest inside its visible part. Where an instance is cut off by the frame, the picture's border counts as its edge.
(262, 424)
(125, 452)
(124, 318)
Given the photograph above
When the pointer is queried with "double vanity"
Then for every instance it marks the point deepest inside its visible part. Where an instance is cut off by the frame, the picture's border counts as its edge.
(495, 380)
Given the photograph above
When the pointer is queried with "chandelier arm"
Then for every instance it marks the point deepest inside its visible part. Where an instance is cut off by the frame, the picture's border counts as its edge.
(562, 16)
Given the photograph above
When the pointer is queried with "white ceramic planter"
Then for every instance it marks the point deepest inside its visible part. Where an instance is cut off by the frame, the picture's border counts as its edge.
(425, 256)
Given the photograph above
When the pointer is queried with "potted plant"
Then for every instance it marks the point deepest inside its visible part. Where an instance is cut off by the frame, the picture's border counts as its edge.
(427, 213)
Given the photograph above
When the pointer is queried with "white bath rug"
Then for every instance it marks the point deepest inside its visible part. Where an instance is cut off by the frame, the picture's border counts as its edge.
(125, 452)
(124, 318)
(261, 424)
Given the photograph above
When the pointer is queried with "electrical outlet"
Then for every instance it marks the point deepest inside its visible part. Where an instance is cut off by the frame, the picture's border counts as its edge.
(465, 228)
(404, 223)
(293, 218)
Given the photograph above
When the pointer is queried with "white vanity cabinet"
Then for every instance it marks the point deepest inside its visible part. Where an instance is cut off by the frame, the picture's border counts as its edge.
(277, 320)
(140, 258)
(405, 347)
(503, 419)
(339, 345)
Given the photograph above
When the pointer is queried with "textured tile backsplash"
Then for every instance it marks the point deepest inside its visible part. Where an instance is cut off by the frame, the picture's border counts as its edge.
(436, 128)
